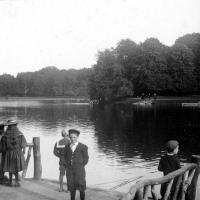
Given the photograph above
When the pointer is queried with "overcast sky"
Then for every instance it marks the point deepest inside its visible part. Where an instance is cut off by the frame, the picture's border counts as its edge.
(69, 33)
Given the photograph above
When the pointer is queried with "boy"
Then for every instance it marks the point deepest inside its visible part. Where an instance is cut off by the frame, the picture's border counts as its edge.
(59, 152)
(77, 157)
(169, 163)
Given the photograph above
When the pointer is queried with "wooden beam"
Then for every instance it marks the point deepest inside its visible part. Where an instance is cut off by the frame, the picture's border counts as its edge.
(37, 159)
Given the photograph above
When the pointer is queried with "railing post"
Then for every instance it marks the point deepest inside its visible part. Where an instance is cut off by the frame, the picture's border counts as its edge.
(191, 195)
(37, 159)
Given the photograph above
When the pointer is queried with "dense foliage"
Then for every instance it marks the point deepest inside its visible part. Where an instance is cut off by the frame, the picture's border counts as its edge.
(48, 81)
(149, 67)
(129, 69)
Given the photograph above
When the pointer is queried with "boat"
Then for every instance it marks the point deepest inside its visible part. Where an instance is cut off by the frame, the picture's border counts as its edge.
(144, 103)
(197, 104)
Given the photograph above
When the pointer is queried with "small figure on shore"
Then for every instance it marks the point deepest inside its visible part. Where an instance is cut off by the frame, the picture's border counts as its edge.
(155, 96)
(59, 152)
(143, 96)
(13, 144)
(76, 157)
(169, 163)
(149, 96)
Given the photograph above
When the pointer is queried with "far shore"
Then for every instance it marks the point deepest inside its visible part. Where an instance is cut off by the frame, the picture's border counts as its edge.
(128, 100)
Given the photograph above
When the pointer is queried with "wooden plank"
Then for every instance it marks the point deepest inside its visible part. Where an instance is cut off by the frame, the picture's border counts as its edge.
(146, 192)
(178, 186)
(154, 193)
(37, 159)
(27, 161)
(168, 190)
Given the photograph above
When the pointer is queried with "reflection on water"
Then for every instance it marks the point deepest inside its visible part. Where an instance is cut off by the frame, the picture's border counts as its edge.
(124, 141)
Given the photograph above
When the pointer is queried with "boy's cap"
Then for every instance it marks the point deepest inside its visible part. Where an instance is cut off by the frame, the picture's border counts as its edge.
(171, 145)
(74, 131)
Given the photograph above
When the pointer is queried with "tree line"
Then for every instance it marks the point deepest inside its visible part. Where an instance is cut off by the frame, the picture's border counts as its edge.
(131, 69)
(48, 81)
(127, 70)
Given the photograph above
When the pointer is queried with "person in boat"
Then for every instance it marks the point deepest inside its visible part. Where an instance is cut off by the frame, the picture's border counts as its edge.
(59, 152)
(13, 144)
(169, 163)
(76, 155)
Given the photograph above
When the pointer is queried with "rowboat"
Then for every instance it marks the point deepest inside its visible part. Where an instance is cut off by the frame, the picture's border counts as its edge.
(144, 103)
(197, 104)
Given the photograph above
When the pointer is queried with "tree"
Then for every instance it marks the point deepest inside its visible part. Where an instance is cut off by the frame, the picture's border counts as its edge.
(153, 73)
(7, 85)
(181, 68)
(192, 41)
(107, 81)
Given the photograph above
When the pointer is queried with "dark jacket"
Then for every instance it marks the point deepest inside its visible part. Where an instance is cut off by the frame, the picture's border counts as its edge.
(168, 164)
(59, 150)
(76, 162)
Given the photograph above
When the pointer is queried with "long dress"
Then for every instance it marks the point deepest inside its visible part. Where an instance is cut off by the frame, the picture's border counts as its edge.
(13, 142)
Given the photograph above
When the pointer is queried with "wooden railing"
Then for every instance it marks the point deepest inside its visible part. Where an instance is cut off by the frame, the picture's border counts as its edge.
(35, 145)
(185, 186)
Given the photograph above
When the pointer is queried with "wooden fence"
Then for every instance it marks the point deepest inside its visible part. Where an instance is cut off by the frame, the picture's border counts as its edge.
(35, 145)
(185, 186)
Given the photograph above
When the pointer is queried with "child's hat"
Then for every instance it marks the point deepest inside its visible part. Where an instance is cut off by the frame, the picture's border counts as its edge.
(74, 131)
(171, 145)
(11, 122)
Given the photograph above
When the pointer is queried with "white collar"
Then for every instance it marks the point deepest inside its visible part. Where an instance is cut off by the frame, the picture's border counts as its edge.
(74, 144)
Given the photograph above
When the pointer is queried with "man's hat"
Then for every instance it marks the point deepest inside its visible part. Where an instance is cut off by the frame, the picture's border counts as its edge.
(11, 122)
(74, 131)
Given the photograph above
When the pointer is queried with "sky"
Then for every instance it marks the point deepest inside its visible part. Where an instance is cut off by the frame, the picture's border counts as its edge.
(69, 33)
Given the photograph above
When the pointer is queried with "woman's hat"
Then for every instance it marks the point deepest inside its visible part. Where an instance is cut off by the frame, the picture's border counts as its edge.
(74, 131)
(2, 123)
(11, 122)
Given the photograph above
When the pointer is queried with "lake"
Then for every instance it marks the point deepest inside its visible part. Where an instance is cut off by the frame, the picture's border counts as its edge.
(125, 141)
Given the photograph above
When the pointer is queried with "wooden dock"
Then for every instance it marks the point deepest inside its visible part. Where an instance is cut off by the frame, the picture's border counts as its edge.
(43, 189)
(48, 190)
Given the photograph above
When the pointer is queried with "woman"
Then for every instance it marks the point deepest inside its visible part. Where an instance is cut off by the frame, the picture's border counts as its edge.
(13, 144)
(2, 125)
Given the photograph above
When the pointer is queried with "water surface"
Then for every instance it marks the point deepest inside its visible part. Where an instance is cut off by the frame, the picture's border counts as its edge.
(124, 141)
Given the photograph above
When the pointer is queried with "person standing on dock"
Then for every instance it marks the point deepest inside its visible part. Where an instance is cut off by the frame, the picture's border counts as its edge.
(59, 152)
(169, 163)
(76, 155)
(14, 144)
(2, 153)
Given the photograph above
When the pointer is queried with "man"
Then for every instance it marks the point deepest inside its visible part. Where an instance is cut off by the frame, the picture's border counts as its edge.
(59, 152)
(76, 155)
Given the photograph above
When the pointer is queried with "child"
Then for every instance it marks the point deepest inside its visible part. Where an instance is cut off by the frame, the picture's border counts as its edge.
(169, 163)
(77, 157)
(13, 144)
(59, 152)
